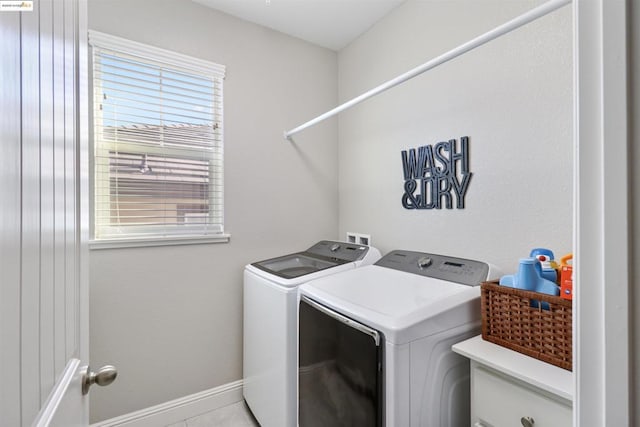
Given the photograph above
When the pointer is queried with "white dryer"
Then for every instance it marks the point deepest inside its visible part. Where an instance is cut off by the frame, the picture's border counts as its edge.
(375, 343)
(270, 323)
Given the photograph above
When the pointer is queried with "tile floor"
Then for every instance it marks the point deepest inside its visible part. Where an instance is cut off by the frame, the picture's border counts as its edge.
(236, 415)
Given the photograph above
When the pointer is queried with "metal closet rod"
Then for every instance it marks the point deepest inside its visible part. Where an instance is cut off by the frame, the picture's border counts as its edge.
(500, 30)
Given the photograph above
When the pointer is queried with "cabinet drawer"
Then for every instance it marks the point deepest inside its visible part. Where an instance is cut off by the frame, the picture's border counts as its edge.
(501, 402)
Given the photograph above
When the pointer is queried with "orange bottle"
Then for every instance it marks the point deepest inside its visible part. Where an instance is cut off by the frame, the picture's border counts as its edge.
(566, 277)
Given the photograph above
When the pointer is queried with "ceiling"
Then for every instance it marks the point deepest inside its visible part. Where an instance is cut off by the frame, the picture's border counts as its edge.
(329, 23)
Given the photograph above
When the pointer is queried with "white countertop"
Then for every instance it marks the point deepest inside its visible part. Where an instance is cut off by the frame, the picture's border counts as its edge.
(532, 371)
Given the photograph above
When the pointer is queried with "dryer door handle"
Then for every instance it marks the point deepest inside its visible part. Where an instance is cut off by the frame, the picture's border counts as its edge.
(343, 319)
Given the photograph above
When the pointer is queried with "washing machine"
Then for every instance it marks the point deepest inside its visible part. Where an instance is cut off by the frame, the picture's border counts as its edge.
(270, 323)
(375, 342)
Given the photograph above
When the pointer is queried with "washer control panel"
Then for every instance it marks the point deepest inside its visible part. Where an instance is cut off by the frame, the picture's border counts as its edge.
(339, 250)
(458, 270)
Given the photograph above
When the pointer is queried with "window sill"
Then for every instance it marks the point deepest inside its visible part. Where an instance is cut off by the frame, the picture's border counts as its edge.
(157, 241)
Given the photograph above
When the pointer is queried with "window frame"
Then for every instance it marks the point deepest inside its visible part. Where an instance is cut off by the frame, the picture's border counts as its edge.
(178, 62)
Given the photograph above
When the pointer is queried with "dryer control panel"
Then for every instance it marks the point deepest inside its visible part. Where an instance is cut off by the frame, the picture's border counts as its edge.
(458, 270)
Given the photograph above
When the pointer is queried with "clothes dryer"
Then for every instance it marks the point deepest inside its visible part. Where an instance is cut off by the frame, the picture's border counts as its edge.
(375, 343)
(270, 323)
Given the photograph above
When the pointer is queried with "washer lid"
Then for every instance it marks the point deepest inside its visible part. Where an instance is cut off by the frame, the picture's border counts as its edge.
(321, 256)
(403, 306)
(295, 265)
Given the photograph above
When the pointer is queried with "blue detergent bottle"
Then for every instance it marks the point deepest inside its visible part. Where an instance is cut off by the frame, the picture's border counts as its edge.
(549, 267)
(529, 277)
(526, 278)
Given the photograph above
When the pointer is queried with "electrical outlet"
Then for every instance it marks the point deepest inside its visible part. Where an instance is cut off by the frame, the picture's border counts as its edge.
(359, 238)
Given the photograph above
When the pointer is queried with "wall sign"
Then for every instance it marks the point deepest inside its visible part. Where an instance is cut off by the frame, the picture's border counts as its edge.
(436, 175)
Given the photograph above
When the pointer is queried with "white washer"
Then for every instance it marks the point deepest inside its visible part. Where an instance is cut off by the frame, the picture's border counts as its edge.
(375, 343)
(270, 321)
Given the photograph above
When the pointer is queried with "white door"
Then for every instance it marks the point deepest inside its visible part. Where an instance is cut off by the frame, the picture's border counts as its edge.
(43, 214)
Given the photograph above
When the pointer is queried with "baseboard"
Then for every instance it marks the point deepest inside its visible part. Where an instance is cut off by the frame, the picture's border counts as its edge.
(179, 409)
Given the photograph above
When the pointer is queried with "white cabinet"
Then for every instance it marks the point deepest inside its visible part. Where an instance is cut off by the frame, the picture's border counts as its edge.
(509, 389)
(498, 400)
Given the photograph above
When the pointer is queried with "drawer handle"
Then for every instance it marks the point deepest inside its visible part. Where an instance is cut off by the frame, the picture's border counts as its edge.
(527, 421)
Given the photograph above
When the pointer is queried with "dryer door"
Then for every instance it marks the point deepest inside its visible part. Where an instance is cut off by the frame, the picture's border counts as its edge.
(339, 370)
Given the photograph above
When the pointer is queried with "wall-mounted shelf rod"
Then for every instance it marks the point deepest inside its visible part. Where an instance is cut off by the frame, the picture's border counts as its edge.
(500, 30)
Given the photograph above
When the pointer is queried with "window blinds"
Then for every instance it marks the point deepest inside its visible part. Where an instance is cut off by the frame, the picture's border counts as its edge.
(158, 149)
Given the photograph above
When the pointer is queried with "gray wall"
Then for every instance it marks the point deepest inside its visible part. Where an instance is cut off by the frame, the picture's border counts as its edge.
(512, 97)
(170, 318)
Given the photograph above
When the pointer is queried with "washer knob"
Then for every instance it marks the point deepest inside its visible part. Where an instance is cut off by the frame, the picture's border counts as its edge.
(334, 247)
(424, 262)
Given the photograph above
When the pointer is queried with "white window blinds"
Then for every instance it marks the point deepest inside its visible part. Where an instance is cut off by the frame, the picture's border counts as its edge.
(158, 149)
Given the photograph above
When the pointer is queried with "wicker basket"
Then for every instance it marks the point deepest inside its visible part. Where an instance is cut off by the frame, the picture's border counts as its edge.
(509, 320)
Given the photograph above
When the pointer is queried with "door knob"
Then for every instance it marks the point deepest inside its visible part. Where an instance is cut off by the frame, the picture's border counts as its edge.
(527, 421)
(105, 376)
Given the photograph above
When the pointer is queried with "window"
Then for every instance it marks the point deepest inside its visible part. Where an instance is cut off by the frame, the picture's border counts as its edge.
(158, 149)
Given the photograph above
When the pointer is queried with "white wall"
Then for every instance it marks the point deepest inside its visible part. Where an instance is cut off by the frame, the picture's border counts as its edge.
(170, 318)
(512, 97)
